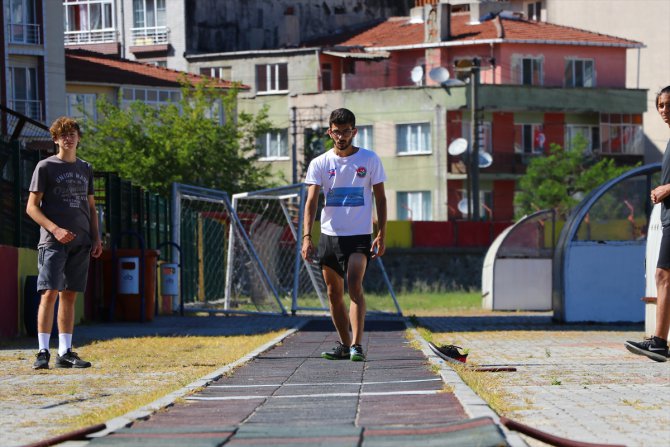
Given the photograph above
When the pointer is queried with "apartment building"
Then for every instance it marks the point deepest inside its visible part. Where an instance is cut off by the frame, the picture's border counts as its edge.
(162, 32)
(540, 83)
(32, 75)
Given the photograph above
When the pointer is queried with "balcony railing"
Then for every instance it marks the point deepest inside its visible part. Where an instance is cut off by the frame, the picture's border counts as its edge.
(155, 35)
(90, 36)
(30, 108)
(24, 33)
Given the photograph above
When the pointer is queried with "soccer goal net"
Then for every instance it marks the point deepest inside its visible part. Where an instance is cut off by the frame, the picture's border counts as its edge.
(273, 220)
(206, 228)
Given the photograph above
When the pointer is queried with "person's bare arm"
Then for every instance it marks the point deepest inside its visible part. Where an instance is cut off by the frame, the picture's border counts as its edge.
(378, 244)
(96, 244)
(35, 212)
(308, 220)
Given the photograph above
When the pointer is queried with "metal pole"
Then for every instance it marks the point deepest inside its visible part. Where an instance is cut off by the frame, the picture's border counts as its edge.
(294, 146)
(474, 154)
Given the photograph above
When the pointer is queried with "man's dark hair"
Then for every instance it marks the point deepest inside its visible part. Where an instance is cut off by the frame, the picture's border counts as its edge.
(658, 95)
(342, 116)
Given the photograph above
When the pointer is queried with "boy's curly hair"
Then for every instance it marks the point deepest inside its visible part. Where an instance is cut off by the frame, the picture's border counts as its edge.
(64, 125)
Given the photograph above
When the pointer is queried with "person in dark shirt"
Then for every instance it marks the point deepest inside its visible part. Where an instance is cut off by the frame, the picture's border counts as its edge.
(61, 202)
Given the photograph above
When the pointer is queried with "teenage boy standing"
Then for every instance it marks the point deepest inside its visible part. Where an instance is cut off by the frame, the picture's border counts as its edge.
(350, 177)
(61, 201)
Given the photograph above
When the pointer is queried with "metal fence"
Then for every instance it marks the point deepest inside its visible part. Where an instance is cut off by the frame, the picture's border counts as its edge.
(122, 207)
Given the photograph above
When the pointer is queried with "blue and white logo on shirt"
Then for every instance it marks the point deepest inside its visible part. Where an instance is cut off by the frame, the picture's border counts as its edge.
(348, 196)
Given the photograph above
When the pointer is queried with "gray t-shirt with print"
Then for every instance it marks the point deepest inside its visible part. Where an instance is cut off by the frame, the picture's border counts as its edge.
(65, 187)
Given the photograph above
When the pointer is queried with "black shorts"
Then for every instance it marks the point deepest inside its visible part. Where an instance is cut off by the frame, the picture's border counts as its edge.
(334, 251)
(664, 251)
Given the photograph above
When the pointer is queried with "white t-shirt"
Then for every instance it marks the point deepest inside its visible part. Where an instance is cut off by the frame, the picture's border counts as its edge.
(347, 184)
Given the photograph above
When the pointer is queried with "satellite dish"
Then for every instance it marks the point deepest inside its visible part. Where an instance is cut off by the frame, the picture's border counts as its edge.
(485, 160)
(458, 146)
(417, 74)
(439, 74)
(463, 206)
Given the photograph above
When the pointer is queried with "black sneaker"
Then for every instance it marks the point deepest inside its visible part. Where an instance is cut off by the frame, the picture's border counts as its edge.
(71, 360)
(454, 352)
(356, 353)
(655, 348)
(42, 361)
(339, 352)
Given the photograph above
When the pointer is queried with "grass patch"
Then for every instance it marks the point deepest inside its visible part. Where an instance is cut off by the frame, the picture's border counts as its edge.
(411, 303)
(437, 304)
(126, 375)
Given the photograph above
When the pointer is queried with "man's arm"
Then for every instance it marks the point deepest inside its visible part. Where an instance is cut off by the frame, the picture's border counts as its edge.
(308, 220)
(35, 212)
(378, 245)
(96, 244)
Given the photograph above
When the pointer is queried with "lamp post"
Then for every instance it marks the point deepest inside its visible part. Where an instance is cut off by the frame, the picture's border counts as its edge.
(474, 124)
(441, 75)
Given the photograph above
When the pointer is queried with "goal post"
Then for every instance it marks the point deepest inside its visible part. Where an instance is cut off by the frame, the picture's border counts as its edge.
(273, 219)
(206, 228)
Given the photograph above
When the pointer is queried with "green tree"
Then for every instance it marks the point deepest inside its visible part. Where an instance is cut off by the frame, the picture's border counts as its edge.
(561, 179)
(182, 142)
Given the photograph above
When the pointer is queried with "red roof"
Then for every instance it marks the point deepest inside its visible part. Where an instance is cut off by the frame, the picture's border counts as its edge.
(88, 66)
(400, 31)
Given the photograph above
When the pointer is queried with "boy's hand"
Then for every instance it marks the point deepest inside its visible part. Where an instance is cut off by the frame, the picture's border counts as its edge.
(96, 248)
(63, 236)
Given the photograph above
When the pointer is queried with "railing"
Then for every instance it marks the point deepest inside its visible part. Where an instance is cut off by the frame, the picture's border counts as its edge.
(149, 35)
(30, 108)
(24, 33)
(90, 36)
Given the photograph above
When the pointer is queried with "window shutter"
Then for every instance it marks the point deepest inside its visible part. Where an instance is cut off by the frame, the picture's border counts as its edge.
(283, 76)
(261, 78)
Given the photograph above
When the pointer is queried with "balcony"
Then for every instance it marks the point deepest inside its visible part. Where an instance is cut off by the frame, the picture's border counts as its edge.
(149, 40)
(503, 163)
(28, 107)
(90, 37)
(24, 33)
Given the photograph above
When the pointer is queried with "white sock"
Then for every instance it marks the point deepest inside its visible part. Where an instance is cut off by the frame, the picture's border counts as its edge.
(43, 340)
(64, 343)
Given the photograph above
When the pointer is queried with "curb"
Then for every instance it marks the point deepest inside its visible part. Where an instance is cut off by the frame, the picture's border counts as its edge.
(473, 405)
(147, 410)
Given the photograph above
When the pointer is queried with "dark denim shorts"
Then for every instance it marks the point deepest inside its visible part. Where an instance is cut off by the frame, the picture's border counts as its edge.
(63, 267)
(664, 250)
(334, 251)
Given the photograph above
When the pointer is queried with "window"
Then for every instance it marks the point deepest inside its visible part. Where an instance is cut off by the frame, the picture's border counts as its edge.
(535, 11)
(529, 139)
(22, 22)
(327, 77)
(218, 72)
(81, 105)
(413, 138)
(363, 137)
(89, 21)
(621, 134)
(273, 144)
(151, 96)
(414, 205)
(23, 92)
(527, 70)
(588, 134)
(149, 13)
(149, 22)
(579, 73)
(272, 78)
